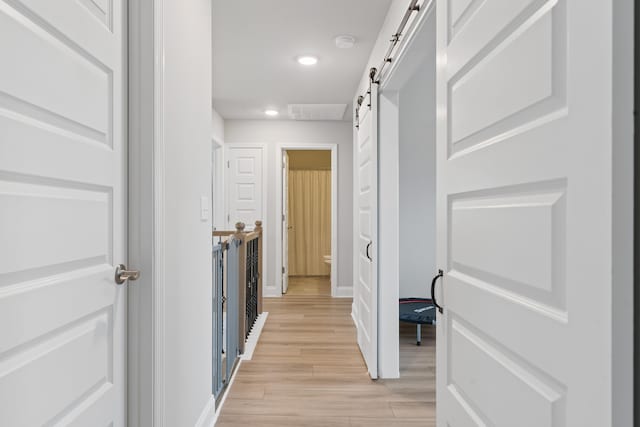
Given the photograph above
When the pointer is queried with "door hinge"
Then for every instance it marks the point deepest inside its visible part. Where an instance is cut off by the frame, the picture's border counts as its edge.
(282, 270)
(228, 164)
(228, 218)
(282, 217)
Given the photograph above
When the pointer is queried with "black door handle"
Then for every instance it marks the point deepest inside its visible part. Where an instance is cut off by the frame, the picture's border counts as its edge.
(367, 251)
(433, 290)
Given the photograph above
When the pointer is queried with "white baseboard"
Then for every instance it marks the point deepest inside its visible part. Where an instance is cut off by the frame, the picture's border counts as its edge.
(344, 292)
(271, 292)
(208, 416)
(354, 313)
(252, 339)
(226, 393)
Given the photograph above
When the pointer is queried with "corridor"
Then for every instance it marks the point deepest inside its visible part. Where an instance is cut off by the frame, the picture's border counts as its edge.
(307, 371)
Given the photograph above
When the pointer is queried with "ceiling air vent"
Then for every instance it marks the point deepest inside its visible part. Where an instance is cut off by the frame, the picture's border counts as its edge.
(316, 111)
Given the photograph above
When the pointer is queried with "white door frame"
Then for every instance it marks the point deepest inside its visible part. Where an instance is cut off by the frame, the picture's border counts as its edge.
(218, 184)
(146, 329)
(334, 209)
(388, 186)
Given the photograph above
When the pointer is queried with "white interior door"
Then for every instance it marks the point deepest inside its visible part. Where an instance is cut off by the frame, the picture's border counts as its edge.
(285, 222)
(524, 213)
(244, 190)
(62, 213)
(367, 225)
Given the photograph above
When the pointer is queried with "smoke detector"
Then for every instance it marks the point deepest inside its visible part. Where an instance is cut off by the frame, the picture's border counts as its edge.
(345, 41)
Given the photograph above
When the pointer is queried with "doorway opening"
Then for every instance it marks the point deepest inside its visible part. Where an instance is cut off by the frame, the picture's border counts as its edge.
(308, 228)
(407, 224)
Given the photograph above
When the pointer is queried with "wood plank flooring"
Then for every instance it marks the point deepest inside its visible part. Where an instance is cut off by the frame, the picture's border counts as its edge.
(310, 286)
(307, 371)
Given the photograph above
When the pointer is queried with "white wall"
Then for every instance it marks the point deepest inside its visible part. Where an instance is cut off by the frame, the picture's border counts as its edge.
(274, 132)
(187, 128)
(417, 182)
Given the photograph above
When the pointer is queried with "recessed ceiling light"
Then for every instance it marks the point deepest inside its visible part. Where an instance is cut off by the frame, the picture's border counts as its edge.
(307, 60)
(271, 113)
(345, 41)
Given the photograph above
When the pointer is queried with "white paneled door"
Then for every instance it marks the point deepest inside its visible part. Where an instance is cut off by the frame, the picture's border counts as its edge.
(366, 292)
(285, 222)
(524, 169)
(244, 186)
(62, 212)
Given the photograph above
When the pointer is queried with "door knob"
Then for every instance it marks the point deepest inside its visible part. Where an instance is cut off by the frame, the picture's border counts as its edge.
(122, 274)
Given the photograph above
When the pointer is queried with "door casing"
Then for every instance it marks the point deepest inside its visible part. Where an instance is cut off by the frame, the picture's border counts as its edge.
(334, 212)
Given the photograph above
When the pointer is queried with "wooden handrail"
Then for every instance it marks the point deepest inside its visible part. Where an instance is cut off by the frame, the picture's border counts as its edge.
(222, 233)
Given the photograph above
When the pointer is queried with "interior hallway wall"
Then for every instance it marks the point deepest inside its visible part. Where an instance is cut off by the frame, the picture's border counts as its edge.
(417, 152)
(187, 127)
(301, 133)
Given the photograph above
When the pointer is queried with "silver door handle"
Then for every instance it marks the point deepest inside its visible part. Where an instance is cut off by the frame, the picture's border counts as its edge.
(122, 274)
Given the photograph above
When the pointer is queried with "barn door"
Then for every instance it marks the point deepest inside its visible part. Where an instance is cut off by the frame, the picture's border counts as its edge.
(366, 292)
(62, 212)
(524, 172)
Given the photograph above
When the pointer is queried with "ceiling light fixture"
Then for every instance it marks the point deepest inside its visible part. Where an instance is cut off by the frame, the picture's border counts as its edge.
(345, 41)
(271, 113)
(307, 60)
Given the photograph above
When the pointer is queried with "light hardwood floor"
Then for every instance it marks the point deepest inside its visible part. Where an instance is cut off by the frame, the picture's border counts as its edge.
(307, 371)
(309, 286)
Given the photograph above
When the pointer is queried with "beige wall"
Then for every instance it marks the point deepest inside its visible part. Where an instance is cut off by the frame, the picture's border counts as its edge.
(309, 159)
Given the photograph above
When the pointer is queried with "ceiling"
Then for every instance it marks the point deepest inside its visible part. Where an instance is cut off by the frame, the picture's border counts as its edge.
(256, 43)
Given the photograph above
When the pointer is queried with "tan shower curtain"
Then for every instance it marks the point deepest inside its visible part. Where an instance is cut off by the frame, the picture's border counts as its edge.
(310, 219)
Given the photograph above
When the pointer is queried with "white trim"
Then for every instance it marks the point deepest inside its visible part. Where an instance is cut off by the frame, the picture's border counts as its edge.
(270, 291)
(623, 213)
(265, 194)
(218, 185)
(254, 336)
(388, 266)
(389, 236)
(334, 211)
(344, 292)
(159, 220)
(145, 399)
(208, 415)
(226, 392)
(355, 254)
